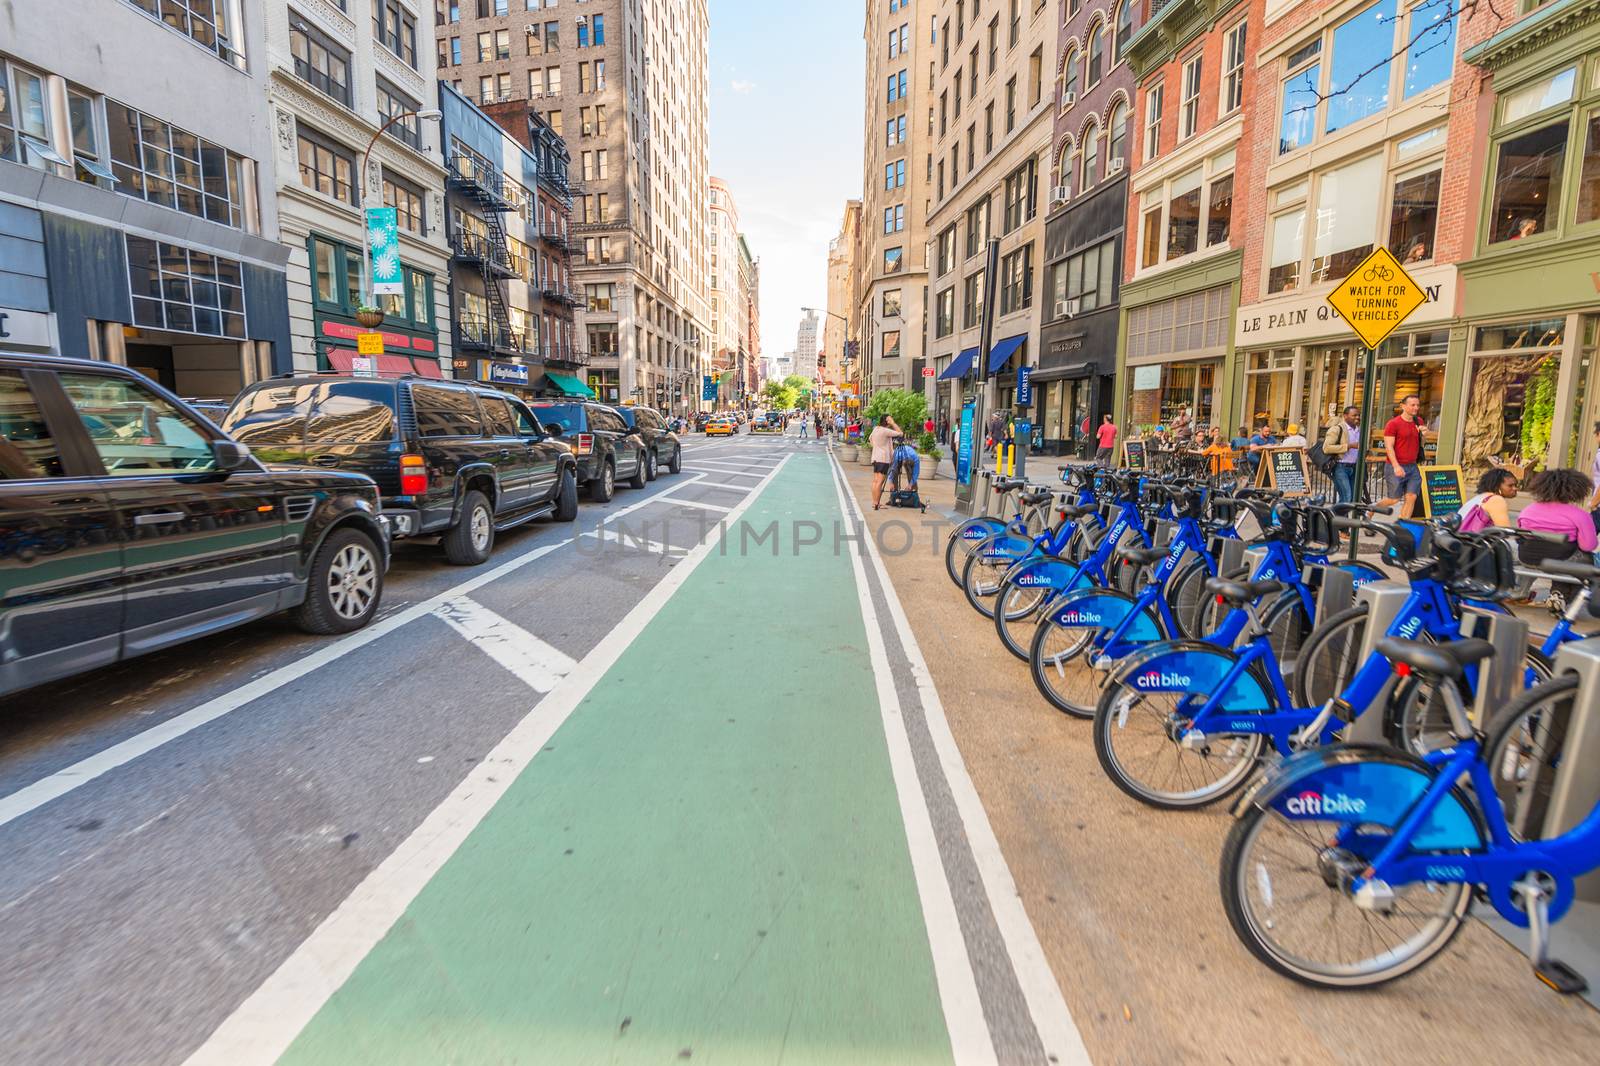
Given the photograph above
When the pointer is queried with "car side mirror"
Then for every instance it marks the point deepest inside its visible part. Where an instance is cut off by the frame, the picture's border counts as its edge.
(230, 455)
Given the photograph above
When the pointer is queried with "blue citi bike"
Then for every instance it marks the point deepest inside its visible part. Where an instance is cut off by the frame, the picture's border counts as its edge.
(1029, 518)
(1353, 865)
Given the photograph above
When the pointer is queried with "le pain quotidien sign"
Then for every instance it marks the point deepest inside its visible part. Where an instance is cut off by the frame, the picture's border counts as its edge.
(1291, 319)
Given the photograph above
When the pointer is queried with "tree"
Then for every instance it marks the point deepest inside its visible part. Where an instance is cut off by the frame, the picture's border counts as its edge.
(803, 390)
(908, 409)
(779, 395)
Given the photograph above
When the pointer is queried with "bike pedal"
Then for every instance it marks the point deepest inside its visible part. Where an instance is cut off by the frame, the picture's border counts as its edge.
(1561, 978)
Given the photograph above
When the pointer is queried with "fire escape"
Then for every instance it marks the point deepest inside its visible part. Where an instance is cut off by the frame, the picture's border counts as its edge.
(489, 251)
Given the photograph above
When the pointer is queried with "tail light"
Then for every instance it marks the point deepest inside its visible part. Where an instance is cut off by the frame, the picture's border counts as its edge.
(585, 443)
(413, 475)
(1402, 669)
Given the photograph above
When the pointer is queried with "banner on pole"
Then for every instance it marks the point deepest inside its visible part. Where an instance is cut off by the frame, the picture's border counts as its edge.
(383, 252)
(708, 387)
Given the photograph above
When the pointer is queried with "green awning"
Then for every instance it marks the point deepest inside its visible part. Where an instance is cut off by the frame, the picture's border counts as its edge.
(569, 385)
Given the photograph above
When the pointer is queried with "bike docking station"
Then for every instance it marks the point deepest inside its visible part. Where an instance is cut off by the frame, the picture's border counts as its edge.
(1335, 588)
(1383, 600)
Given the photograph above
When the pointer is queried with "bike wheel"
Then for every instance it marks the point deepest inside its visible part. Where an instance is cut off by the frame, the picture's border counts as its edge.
(1419, 720)
(1525, 748)
(1186, 595)
(983, 575)
(1056, 659)
(957, 548)
(1285, 890)
(1017, 615)
(1136, 738)
(1330, 658)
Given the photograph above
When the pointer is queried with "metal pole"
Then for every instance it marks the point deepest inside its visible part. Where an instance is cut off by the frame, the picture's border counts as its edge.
(1369, 373)
(991, 272)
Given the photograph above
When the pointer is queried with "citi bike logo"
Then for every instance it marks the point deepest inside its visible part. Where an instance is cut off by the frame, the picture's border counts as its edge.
(1162, 679)
(1033, 580)
(1079, 618)
(975, 533)
(1409, 627)
(1314, 803)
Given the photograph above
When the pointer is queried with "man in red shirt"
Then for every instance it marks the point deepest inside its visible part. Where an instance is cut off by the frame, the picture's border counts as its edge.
(1106, 441)
(1402, 444)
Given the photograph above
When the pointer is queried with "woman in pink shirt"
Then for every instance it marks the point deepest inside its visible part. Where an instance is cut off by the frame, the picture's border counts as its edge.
(1559, 496)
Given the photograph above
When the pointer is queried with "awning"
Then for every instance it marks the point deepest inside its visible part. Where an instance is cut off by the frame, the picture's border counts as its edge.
(1082, 369)
(568, 385)
(960, 366)
(1002, 352)
(387, 366)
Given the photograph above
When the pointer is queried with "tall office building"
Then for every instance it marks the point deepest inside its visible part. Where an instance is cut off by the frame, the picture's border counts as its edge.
(844, 275)
(626, 84)
(894, 212)
(805, 348)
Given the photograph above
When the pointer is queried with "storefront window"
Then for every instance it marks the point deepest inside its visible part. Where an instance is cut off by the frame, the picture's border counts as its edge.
(1287, 246)
(1052, 411)
(1589, 177)
(1527, 183)
(1512, 392)
(1359, 83)
(1347, 217)
(1269, 381)
(1581, 432)
(1414, 216)
(1156, 394)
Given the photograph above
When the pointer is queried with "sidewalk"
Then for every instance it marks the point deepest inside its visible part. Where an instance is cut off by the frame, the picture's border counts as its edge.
(1124, 898)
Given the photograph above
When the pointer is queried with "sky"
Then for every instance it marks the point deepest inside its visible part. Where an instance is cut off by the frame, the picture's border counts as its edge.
(786, 84)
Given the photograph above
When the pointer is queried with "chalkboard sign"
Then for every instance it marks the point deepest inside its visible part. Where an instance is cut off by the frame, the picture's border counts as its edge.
(1441, 490)
(1133, 454)
(1285, 469)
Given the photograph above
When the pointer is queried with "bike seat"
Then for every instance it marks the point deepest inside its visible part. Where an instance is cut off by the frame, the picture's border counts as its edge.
(1139, 555)
(1571, 568)
(1437, 660)
(1036, 496)
(1242, 591)
(1006, 484)
(1074, 511)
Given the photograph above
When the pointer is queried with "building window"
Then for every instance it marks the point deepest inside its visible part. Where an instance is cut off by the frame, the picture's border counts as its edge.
(1016, 280)
(326, 166)
(601, 297)
(1020, 194)
(203, 21)
(170, 167)
(891, 303)
(894, 218)
(1413, 216)
(1190, 208)
(1288, 245)
(552, 36)
(1084, 282)
(977, 227)
(1189, 107)
(891, 344)
(945, 313)
(897, 87)
(1527, 183)
(318, 61)
(971, 301)
(1095, 65)
(1219, 215)
(1089, 157)
(1152, 122)
(1233, 45)
(396, 29)
(407, 200)
(1035, 77)
(391, 103)
(892, 260)
(1069, 88)
(455, 51)
(1011, 105)
(1358, 83)
(1124, 28)
(185, 291)
(1299, 114)
(1183, 216)
(1117, 139)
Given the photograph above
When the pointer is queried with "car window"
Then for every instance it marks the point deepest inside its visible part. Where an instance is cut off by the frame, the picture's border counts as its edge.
(26, 448)
(446, 412)
(527, 424)
(270, 415)
(136, 431)
(352, 414)
(498, 414)
(561, 418)
(607, 420)
(648, 419)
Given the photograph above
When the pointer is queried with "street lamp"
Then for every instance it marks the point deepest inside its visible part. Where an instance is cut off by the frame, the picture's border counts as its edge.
(427, 114)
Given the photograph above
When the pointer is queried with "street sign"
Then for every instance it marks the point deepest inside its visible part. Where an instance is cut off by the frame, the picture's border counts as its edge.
(927, 371)
(383, 249)
(708, 388)
(1025, 387)
(1376, 297)
(363, 366)
(369, 343)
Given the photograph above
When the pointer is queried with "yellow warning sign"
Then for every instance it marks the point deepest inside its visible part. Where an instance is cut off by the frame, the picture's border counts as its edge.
(369, 344)
(1376, 297)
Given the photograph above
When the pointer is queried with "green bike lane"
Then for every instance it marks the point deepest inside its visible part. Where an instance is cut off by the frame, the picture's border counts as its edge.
(706, 861)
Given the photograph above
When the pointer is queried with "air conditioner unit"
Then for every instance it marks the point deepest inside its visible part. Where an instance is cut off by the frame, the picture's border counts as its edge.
(1067, 308)
(583, 20)
(1114, 166)
(1068, 99)
(1058, 194)
(531, 29)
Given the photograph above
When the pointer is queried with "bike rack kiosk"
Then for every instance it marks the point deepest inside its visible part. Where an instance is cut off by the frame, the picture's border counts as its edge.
(1499, 684)
(1576, 790)
(1336, 590)
(1383, 600)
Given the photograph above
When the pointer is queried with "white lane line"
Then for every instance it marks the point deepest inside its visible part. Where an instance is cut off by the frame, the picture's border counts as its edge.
(709, 484)
(264, 1025)
(732, 469)
(32, 797)
(698, 505)
(970, 1040)
(1059, 1034)
(540, 666)
(624, 539)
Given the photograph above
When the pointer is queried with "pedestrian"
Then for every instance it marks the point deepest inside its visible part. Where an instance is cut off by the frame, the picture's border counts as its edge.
(1559, 496)
(805, 427)
(1488, 507)
(1218, 453)
(1402, 444)
(882, 443)
(1343, 440)
(996, 429)
(1106, 441)
(1259, 441)
(1294, 439)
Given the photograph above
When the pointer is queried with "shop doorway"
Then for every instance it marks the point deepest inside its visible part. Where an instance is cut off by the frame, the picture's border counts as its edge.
(193, 367)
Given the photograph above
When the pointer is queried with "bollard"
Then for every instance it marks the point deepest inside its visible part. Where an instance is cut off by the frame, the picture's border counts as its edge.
(1384, 600)
(1576, 790)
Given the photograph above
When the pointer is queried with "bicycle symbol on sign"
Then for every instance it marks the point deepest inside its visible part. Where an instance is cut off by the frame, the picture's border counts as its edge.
(1378, 272)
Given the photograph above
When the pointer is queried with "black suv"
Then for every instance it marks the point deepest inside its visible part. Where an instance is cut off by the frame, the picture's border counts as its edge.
(662, 447)
(602, 441)
(451, 459)
(128, 523)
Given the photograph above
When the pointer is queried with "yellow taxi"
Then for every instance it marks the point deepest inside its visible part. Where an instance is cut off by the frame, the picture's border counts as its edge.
(721, 426)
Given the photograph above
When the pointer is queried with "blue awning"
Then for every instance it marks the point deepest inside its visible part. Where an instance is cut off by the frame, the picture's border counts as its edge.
(1002, 352)
(960, 366)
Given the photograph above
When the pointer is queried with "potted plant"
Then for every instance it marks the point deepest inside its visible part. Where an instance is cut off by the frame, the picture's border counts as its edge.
(847, 452)
(934, 455)
(369, 317)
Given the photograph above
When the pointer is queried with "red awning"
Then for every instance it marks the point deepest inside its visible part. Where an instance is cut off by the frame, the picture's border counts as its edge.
(389, 366)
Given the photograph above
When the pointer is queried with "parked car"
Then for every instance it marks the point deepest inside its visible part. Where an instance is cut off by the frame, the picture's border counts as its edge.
(212, 409)
(602, 442)
(458, 461)
(128, 523)
(662, 446)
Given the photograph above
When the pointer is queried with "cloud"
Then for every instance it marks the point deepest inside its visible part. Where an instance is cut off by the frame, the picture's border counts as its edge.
(741, 87)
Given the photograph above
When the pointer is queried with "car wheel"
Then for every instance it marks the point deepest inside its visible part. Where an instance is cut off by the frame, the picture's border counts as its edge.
(344, 586)
(639, 473)
(650, 471)
(675, 464)
(602, 488)
(469, 541)
(567, 496)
